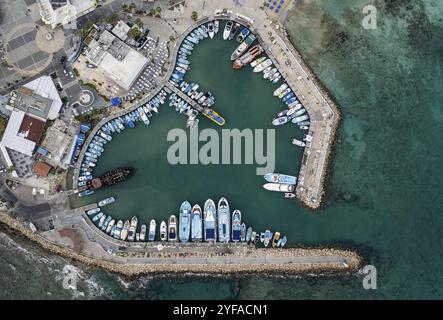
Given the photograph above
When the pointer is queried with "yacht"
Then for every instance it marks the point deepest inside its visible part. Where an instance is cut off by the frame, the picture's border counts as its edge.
(210, 218)
(132, 229)
(184, 222)
(243, 47)
(152, 227)
(216, 26)
(236, 225)
(172, 228)
(227, 31)
(196, 223)
(279, 187)
(106, 201)
(211, 30)
(298, 143)
(143, 232)
(223, 220)
(280, 178)
(163, 231)
(234, 31)
(124, 231)
(110, 226)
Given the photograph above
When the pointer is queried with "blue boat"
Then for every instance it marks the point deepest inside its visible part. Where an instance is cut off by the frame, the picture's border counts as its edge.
(115, 125)
(242, 35)
(280, 178)
(236, 226)
(223, 221)
(184, 222)
(87, 193)
(196, 223)
(289, 95)
(184, 61)
(210, 221)
(291, 100)
(129, 121)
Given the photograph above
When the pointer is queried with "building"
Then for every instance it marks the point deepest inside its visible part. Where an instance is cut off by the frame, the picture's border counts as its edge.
(31, 106)
(41, 169)
(62, 12)
(114, 58)
(121, 30)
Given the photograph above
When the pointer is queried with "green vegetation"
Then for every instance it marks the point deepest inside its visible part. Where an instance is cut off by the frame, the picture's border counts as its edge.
(65, 100)
(194, 15)
(139, 23)
(134, 33)
(91, 85)
(3, 124)
(88, 117)
(77, 73)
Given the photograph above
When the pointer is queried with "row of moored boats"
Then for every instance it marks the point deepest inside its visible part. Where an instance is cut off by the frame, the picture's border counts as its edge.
(211, 224)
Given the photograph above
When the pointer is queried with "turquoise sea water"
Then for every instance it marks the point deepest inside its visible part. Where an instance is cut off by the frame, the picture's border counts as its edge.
(384, 191)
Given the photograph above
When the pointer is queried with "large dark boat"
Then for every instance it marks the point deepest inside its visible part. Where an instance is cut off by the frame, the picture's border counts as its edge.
(111, 178)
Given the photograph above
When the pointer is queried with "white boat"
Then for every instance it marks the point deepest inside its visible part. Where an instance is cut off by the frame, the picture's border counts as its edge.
(257, 61)
(143, 115)
(102, 221)
(300, 118)
(211, 29)
(143, 232)
(280, 121)
(298, 143)
(106, 201)
(268, 237)
(172, 228)
(92, 211)
(132, 229)
(163, 231)
(262, 66)
(266, 75)
(289, 195)
(279, 187)
(228, 28)
(110, 226)
(152, 227)
(124, 231)
(280, 89)
(216, 26)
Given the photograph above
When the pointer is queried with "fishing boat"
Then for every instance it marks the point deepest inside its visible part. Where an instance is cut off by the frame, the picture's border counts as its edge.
(243, 47)
(300, 118)
(254, 237)
(163, 231)
(196, 223)
(110, 178)
(93, 211)
(252, 53)
(280, 89)
(275, 239)
(243, 233)
(283, 241)
(210, 217)
(266, 75)
(143, 232)
(262, 66)
(298, 143)
(256, 62)
(125, 230)
(236, 225)
(110, 226)
(172, 228)
(249, 234)
(280, 120)
(234, 31)
(289, 195)
(105, 224)
(184, 222)
(216, 26)
(211, 29)
(152, 227)
(280, 178)
(227, 31)
(132, 229)
(101, 221)
(268, 237)
(223, 221)
(242, 35)
(279, 187)
(116, 233)
(106, 201)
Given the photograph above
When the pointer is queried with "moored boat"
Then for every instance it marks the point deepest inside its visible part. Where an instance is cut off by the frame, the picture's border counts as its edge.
(280, 89)
(216, 26)
(116, 231)
(280, 120)
(242, 35)
(279, 187)
(143, 232)
(280, 178)
(243, 47)
(196, 223)
(184, 222)
(210, 218)
(234, 31)
(249, 234)
(256, 62)
(110, 226)
(163, 231)
(275, 239)
(132, 229)
(227, 31)
(125, 230)
(223, 220)
(106, 201)
(243, 232)
(236, 225)
(152, 227)
(267, 238)
(211, 30)
(298, 143)
(172, 228)
(101, 221)
(93, 211)
(262, 66)
(289, 195)
(252, 53)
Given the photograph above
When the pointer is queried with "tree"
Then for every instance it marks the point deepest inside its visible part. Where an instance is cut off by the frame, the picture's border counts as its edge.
(194, 16)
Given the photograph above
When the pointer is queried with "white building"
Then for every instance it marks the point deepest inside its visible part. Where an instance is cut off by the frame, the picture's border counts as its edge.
(62, 12)
(114, 58)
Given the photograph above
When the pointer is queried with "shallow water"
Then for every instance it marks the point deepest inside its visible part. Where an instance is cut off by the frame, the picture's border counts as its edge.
(386, 180)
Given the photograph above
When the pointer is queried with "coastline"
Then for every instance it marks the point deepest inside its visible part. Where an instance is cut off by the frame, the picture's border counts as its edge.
(353, 259)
